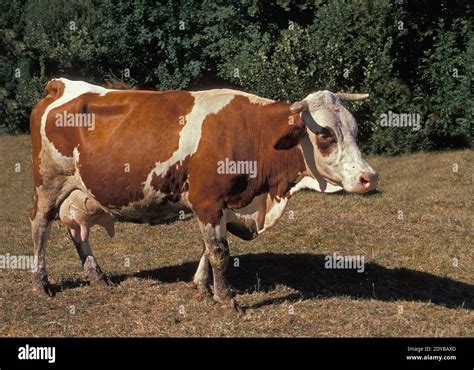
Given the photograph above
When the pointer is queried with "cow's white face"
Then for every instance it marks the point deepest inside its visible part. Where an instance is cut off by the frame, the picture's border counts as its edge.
(332, 151)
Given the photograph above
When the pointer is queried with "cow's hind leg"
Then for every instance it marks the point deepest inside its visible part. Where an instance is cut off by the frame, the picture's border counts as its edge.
(92, 270)
(217, 250)
(202, 277)
(46, 200)
(41, 221)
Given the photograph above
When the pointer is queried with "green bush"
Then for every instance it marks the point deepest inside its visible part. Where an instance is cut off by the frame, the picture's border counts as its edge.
(401, 52)
(446, 85)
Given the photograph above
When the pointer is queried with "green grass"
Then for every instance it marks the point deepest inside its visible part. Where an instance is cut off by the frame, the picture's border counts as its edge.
(410, 286)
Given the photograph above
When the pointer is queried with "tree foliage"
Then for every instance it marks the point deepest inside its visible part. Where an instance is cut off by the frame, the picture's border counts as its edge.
(411, 56)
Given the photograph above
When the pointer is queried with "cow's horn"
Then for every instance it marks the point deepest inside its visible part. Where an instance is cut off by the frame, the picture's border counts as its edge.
(299, 106)
(352, 97)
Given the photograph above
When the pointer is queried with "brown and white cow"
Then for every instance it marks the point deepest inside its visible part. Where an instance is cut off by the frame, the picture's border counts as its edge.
(101, 156)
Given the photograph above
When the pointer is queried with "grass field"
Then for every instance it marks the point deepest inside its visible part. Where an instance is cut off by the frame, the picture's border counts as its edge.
(418, 278)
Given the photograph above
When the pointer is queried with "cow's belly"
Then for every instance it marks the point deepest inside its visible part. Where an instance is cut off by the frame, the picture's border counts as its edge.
(80, 210)
(152, 213)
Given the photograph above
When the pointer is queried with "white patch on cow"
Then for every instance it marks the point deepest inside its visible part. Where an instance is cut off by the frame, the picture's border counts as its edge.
(205, 103)
(275, 208)
(260, 215)
(75, 155)
(254, 99)
(251, 216)
(318, 184)
(201, 276)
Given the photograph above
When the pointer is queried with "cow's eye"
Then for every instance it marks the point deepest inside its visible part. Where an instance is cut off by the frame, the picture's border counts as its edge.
(325, 134)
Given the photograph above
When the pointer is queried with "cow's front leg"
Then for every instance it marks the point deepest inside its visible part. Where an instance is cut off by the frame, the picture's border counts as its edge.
(202, 277)
(217, 251)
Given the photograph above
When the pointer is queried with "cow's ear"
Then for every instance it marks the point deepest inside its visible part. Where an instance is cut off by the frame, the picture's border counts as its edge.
(290, 138)
(295, 131)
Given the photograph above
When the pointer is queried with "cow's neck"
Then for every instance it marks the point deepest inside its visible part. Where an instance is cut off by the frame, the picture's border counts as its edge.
(298, 166)
(289, 166)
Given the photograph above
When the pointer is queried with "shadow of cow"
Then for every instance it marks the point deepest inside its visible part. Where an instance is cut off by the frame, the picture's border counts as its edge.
(306, 274)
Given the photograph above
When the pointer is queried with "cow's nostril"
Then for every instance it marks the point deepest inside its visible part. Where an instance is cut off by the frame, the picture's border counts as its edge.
(368, 180)
(365, 178)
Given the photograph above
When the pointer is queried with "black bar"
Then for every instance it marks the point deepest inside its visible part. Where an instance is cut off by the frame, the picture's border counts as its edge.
(318, 353)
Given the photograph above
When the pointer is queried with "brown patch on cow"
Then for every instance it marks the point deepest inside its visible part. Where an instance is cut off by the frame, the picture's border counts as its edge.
(133, 130)
(34, 210)
(242, 131)
(326, 143)
(173, 183)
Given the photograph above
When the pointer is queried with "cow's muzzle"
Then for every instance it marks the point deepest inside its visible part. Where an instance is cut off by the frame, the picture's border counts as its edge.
(367, 182)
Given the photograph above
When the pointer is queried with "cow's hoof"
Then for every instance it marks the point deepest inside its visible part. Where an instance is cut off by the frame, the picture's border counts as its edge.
(94, 273)
(200, 296)
(238, 308)
(231, 307)
(41, 287)
(203, 292)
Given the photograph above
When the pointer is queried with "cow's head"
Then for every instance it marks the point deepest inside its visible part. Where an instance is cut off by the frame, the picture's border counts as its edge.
(329, 145)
